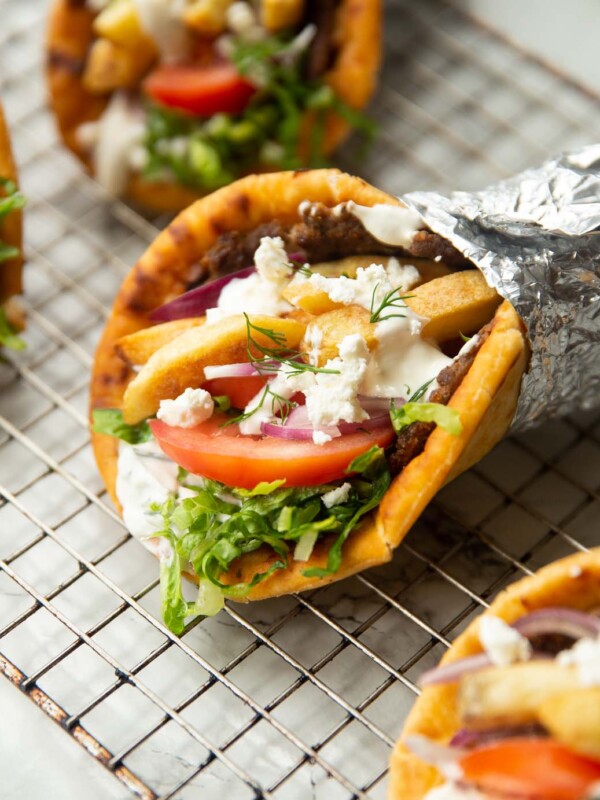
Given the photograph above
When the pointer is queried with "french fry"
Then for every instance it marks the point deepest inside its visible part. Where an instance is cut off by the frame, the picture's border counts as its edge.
(112, 66)
(335, 325)
(457, 303)
(511, 695)
(278, 14)
(180, 364)
(574, 719)
(136, 348)
(119, 23)
(207, 17)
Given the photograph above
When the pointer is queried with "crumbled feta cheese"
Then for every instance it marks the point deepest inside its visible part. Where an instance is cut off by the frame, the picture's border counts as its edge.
(191, 408)
(313, 339)
(320, 437)
(162, 21)
(260, 293)
(334, 396)
(337, 495)
(503, 644)
(585, 655)
(240, 18)
(271, 260)
(119, 132)
(402, 276)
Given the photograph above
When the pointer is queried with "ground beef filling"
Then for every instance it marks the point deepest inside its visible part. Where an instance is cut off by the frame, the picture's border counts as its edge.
(320, 235)
(412, 440)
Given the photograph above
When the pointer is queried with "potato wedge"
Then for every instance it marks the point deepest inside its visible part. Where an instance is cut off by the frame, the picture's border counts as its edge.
(511, 695)
(278, 14)
(112, 66)
(136, 348)
(457, 303)
(120, 23)
(180, 364)
(207, 17)
(574, 719)
(335, 325)
(304, 295)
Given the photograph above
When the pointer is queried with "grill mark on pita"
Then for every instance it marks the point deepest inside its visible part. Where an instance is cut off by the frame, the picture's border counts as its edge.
(59, 59)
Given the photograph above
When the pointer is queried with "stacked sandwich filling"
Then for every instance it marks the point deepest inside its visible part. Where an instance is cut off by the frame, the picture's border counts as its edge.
(270, 408)
(529, 706)
(201, 92)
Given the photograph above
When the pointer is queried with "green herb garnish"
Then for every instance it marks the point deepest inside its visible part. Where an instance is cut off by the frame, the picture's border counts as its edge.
(392, 305)
(110, 421)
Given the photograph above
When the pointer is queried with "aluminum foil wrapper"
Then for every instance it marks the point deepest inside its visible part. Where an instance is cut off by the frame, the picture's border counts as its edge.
(536, 238)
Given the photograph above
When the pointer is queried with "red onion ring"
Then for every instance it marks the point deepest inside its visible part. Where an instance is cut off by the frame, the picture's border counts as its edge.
(286, 431)
(245, 370)
(195, 302)
(545, 621)
(563, 621)
(470, 739)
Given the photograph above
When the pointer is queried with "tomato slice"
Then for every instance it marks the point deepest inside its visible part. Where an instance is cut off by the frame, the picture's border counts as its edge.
(239, 390)
(203, 90)
(532, 768)
(225, 455)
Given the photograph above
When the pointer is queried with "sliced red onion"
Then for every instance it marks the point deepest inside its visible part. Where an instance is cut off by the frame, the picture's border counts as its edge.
(376, 421)
(562, 621)
(195, 302)
(246, 370)
(470, 739)
(288, 431)
(546, 621)
(451, 673)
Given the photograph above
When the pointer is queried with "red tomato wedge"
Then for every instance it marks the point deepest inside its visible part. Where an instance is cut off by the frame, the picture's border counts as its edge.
(239, 390)
(203, 90)
(225, 455)
(530, 768)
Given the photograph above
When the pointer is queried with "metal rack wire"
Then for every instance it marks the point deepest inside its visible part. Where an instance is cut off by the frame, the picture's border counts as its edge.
(302, 696)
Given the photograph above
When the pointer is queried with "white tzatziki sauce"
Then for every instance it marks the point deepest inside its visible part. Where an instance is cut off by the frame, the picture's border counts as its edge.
(393, 225)
(145, 476)
(402, 361)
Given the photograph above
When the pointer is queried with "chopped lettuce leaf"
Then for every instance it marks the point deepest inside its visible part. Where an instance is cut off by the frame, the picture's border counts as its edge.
(444, 417)
(173, 604)
(262, 488)
(8, 334)
(222, 402)
(218, 524)
(110, 421)
(305, 545)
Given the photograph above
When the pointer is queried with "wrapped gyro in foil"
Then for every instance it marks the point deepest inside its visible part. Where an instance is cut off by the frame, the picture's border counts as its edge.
(536, 238)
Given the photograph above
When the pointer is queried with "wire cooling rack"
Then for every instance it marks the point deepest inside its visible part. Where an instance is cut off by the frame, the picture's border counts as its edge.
(300, 697)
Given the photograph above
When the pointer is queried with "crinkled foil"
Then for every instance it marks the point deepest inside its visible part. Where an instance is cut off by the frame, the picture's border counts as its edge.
(536, 238)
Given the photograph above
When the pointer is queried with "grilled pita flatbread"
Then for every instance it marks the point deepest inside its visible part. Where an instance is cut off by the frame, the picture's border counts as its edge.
(353, 76)
(11, 226)
(572, 582)
(485, 400)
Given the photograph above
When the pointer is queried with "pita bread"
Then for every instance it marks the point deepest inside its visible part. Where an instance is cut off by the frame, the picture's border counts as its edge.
(11, 226)
(353, 76)
(485, 400)
(572, 582)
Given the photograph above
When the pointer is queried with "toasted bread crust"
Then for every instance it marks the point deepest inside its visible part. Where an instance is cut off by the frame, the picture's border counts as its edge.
(572, 582)
(486, 397)
(353, 76)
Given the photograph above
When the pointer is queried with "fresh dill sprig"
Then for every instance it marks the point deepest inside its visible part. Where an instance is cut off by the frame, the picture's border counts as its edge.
(278, 352)
(416, 396)
(391, 301)
(278, 404)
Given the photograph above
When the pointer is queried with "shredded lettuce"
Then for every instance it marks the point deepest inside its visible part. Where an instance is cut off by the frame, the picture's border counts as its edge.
(8, 333)
(209, 530)
(207, 154)
(110, 421)
(444, 417)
